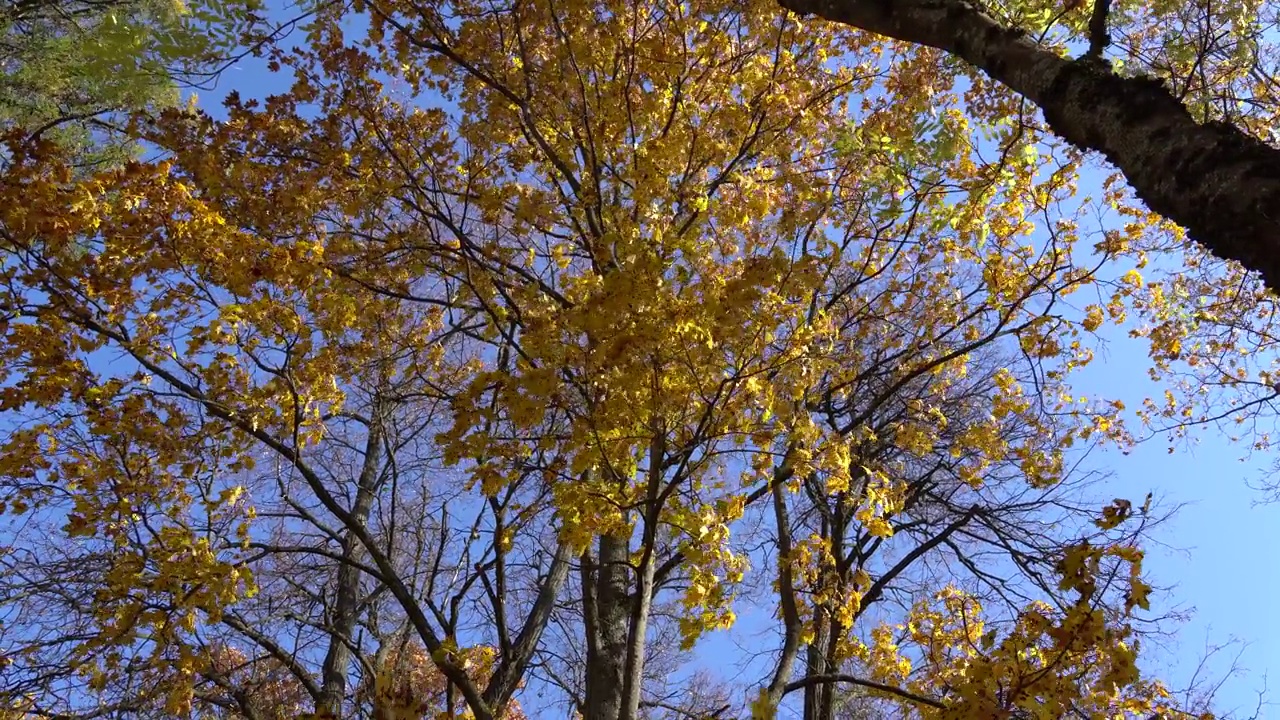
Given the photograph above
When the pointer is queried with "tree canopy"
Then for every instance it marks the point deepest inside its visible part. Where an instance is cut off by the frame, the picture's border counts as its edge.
(520, 352)
(76, 69)
(1184, 102)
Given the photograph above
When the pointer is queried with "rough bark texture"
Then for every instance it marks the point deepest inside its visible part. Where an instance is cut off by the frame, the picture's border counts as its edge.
(818, 699)
(608, 605)
(1222, 185)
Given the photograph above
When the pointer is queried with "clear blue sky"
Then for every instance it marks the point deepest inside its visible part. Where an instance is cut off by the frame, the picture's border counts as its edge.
(1218, 557)
(1223, 549)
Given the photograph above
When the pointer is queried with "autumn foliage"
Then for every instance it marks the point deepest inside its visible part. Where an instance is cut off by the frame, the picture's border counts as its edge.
(524, 346)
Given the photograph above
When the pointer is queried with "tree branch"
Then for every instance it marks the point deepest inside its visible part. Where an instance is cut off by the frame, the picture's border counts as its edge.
(869, 684)
(1218, 182)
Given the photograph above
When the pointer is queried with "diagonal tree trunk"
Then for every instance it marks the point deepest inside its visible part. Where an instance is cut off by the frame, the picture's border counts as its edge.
(1218, 182)
(344, 615)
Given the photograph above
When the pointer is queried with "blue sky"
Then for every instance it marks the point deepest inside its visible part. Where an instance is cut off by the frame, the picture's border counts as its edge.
(1220, 554)
(1218, 557)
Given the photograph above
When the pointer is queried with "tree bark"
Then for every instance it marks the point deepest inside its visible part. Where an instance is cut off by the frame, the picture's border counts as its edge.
(1215, 180)
(818, 698)
(608, 604)
(514, 664)
(343, 617)
(791, 620)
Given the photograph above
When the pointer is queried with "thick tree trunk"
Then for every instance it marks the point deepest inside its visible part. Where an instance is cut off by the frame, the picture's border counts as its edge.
(1219, 183)
(817, 698)
(618, 608)
(608, 613)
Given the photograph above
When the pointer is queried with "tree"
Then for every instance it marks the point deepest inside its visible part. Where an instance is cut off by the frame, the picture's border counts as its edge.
(1194, 136)
(585, 317)
(77, 69)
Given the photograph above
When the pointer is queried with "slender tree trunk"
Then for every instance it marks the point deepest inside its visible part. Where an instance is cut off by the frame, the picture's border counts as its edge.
(344, 615)
(791, 621)
(342, 622)
(642, 600)
(515, 661)
(637, 635)
(1215, 180)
